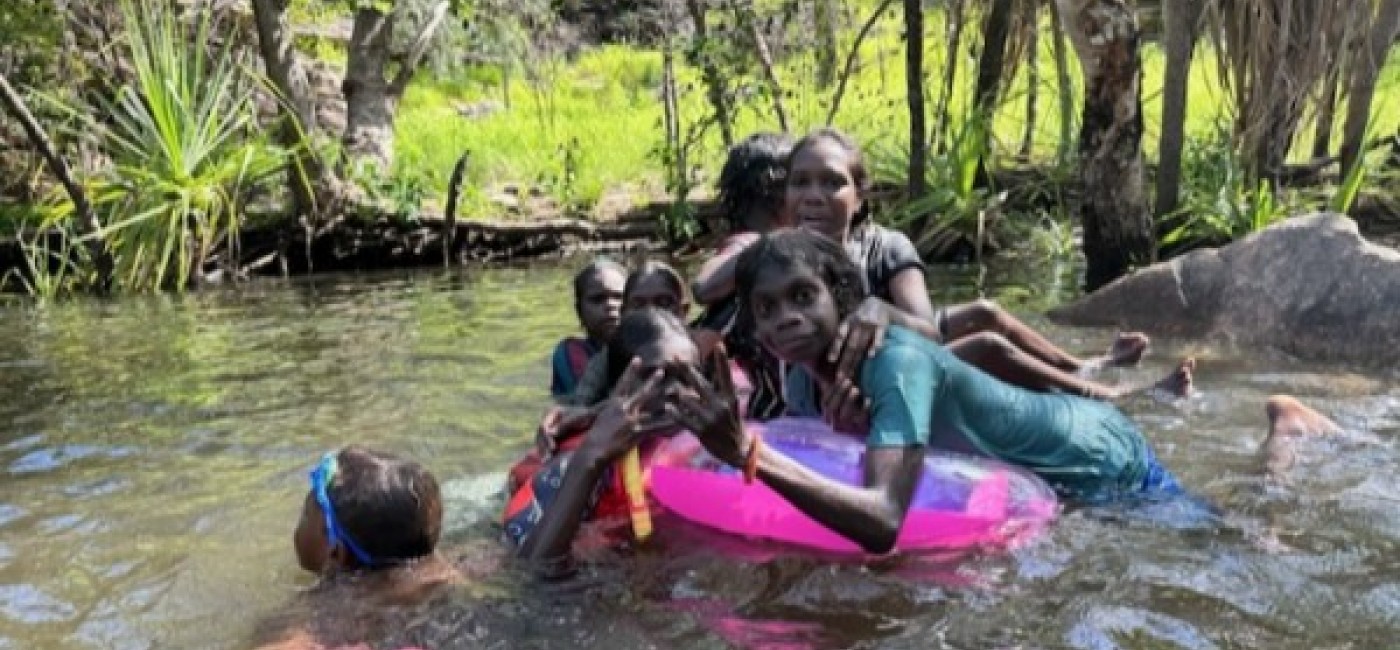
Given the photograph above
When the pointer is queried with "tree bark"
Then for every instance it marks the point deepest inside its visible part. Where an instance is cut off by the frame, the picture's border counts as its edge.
(88, 223)
(914, 75)
(296, 103)
(1361, 88)
(1180, 19)
(1118, 231)
(371, 98)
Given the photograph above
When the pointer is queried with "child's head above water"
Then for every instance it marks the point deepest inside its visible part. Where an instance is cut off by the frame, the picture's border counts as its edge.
(654, 336)
(598, 297)
(367, 509)
(752, 182)
(795, 286)
(827, 183)
(656, 284)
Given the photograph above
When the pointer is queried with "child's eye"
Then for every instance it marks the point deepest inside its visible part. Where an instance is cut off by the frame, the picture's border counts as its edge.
(803, 296)
(763, 308)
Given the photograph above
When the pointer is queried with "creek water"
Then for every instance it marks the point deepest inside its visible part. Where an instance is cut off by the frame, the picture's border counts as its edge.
(154, 454)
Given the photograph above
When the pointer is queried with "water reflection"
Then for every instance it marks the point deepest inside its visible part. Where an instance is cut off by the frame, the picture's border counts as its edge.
(153, 455)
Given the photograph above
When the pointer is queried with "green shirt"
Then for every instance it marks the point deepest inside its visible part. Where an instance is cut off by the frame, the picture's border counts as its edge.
(921, 394)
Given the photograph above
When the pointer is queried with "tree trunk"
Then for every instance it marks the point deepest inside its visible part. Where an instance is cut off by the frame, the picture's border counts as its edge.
(827, 17)
(954, 14)
(914, 75)
(1179, 18)
(1117, 226)
(1032, 79)
(297, 103)
(369, 104)
(88, 223)
(371, 97)
(1361, 88)
(714, 81)
(1327, 110)
(992, 62)
(1063, 86)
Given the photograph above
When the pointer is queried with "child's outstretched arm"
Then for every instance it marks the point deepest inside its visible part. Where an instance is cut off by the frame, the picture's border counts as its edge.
(619, 426)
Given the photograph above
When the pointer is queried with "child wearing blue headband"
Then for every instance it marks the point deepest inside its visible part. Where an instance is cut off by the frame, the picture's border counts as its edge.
(369, 528)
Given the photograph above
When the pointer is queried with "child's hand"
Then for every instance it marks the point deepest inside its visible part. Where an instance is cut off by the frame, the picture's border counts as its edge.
(557, 421)
(628, 417)
(845, 408)
(710, 412)
(859, 337)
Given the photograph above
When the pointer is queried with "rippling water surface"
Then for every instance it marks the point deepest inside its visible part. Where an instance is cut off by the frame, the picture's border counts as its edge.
(154, 454)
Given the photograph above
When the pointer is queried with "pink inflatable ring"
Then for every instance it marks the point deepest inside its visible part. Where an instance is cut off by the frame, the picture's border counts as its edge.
(961, 502)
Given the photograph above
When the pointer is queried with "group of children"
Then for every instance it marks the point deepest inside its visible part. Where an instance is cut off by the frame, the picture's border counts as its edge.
(810, 310)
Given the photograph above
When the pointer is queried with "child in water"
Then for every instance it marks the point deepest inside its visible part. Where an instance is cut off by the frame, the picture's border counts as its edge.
(369, 529)
(797, 287)
(751, 187)
(598, 304)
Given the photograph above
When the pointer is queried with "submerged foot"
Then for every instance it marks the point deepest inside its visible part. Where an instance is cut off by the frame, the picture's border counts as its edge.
(1181, 381)
(1127, 349)
(1290, 419)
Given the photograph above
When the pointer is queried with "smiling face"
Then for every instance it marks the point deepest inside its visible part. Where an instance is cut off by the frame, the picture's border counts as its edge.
(822, 194)
(599, 305)
(794, 313)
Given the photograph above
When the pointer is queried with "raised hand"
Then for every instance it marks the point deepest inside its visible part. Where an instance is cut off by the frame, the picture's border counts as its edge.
(710, 411)
(859, 337)
(627, 418)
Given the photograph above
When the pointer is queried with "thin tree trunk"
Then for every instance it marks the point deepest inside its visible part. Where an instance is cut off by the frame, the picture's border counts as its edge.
(1361, 88)
(1063, 86)
(714, 81)
(296, 103)
(1118, 232)
(992, 63)
(88, 223)
(914, 75)
(1179, 20)
(954, 29)
(1032, 79)
(744, 13)
(1327, 109)
(827, 15)
(851, 57)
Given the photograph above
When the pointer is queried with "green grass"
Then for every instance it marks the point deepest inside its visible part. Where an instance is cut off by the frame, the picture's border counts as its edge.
(607, 101)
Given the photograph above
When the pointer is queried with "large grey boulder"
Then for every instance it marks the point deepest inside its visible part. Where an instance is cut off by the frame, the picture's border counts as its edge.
(1310, 286)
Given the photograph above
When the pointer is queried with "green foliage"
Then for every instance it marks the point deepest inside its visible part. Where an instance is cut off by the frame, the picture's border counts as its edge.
(184, 145)
(1218, 203)
(953, 210)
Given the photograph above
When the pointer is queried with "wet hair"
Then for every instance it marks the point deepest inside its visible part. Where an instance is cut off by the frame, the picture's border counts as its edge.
(636, 330)
(593, 270)
(655, 267)
(754, 177)
(390, 506)
(789, 248)
(855, 164)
